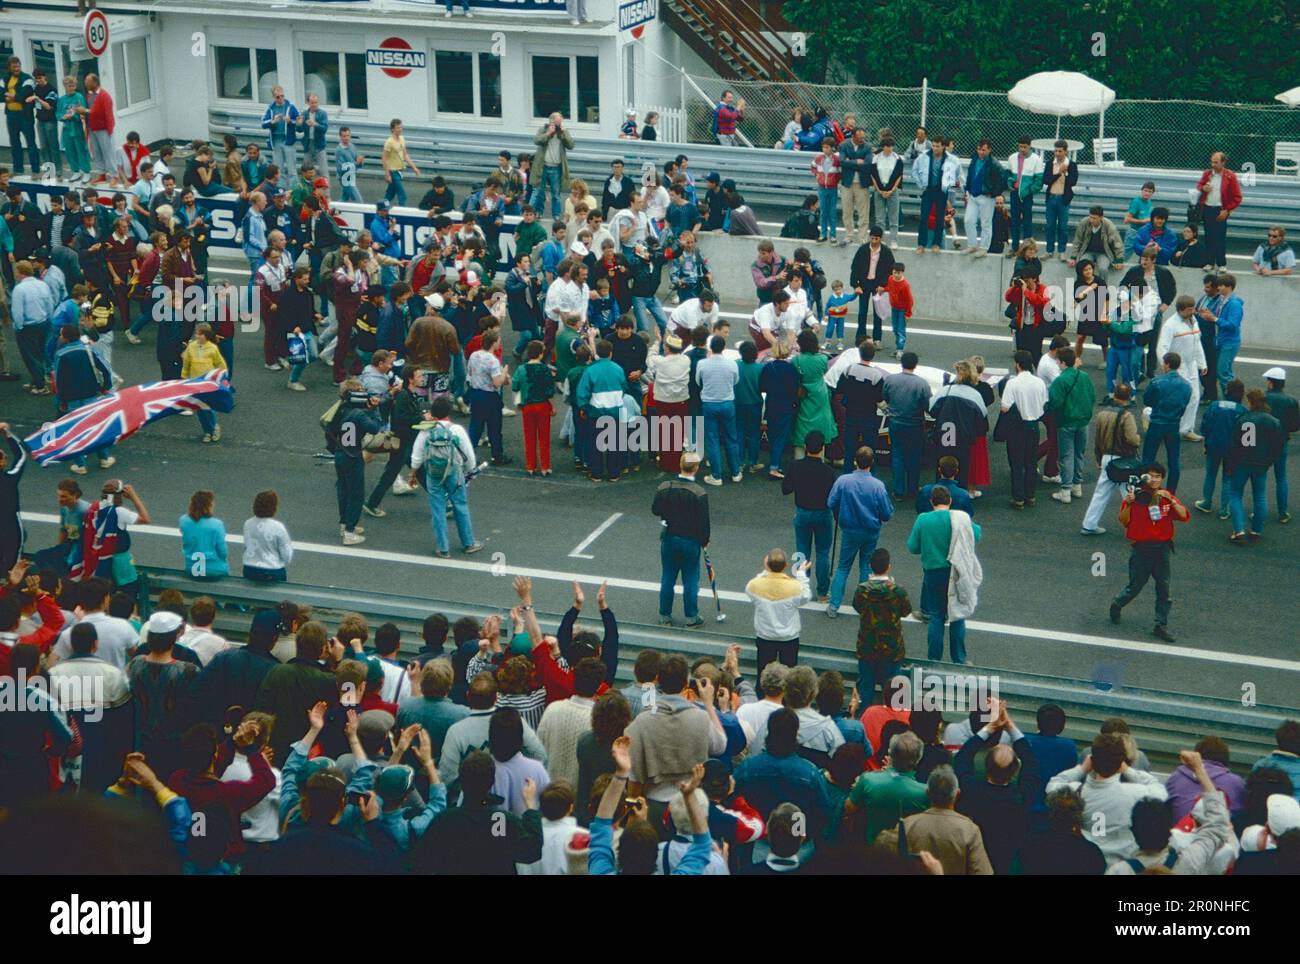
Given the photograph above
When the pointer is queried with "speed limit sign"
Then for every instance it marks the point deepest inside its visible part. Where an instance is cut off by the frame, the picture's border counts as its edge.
(95, 30)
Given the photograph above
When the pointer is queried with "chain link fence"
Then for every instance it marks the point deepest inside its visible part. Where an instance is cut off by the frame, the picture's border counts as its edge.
(1178, 134)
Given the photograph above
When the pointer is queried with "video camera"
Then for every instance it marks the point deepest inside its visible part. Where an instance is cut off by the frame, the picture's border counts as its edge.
(1142, 494)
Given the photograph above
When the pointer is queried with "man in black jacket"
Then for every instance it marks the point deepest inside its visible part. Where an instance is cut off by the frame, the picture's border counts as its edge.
(1062, 848)
(683, 506)
(999, 804)
(617, 192)
(866, 278)
(479, 836)
(810, 479)
(26, 223)
(859, 391)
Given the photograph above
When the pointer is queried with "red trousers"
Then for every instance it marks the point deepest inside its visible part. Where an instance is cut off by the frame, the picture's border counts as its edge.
(670, 460)
(537, 435)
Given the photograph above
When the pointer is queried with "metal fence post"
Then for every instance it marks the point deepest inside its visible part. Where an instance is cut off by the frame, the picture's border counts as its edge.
(925, 93)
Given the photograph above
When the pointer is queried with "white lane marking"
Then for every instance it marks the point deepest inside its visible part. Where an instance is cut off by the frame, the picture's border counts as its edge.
(982, 336)
(495, 569)
(578, 553)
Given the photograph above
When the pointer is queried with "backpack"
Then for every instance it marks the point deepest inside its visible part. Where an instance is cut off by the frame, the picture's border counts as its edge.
(439, 453)
(713, 127)
(331, 423)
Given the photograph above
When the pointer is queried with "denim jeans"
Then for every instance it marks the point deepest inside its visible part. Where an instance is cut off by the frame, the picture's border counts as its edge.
(934, 601)
(207, 420)
(1257, 476)
(643, 306)
(1072, 446)
(395, 193)
(885, 211)
(31, 346)
(451, 489)
(49, 141)
(936, 202)
(856, 544)
(1118, 361)
(749, 427)
(719, 434)
(258, 574)
(21, 125)
(679, 555)
(828, 198)
(834, 328)
(1283, 487)
(1216, 463)
(778, 433)
(485, 412)
(350, 487)
(905, 443)
(898, 318)
(285, 156)
(102, 453)
(1227, 355)
(457, 374)
(1058, 222)
(350, 195)
(869, 675)
(979, 221)
(1166, 432)
(1022, 218)
(548, 181)
(813, 527)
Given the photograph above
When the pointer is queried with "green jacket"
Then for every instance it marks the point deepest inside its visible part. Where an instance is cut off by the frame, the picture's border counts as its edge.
(529, 236)
(931, 536)
(566, 145)
(534, 383)
(1071, 397)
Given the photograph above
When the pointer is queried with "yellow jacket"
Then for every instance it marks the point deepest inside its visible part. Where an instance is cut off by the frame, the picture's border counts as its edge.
(200, 358)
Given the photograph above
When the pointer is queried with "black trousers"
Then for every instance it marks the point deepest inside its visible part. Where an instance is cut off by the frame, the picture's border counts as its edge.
(1149, 561)
(786, 652)
(1022, 456)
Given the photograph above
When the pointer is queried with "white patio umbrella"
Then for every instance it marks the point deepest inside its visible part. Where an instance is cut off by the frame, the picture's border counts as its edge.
(1064, 93)
(1290, 97)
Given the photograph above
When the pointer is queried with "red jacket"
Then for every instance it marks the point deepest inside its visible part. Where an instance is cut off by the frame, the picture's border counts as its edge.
(1229, 192)
(101, 116)
(557, 679)
(43, 637)
(900, 295)
(1036, 299)
(204, 789)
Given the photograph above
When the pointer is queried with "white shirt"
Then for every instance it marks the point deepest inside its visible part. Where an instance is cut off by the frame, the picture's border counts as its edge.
(1214, 197)
(204, 642)
(1184, 337)
(776, 617)
(754, 715)
(671, 377)
(637, 223)
(656, 202)
(566, 297)
(1028, 393)
(267, 544)
(690, 315)
(766, 319)
(458, 434)
(88, 683)
(1048, 369)
(1033, 164)
(1108, 806)
(842, 363)
(117, 638)
(263, 817)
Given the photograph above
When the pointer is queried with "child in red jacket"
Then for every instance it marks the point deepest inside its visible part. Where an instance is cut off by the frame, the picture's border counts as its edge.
(900, 306)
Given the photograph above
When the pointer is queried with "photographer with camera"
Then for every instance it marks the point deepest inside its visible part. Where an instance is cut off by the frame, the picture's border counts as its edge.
(1115, 436)
(357, 419)
(1148, 514)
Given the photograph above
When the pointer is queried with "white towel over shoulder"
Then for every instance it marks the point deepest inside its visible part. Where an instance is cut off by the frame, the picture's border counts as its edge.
(967, 574)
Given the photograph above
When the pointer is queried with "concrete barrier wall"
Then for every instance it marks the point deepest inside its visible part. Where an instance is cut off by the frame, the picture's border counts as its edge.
(955, 287)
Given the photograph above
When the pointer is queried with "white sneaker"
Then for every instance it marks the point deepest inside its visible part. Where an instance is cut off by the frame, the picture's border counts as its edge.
(272, 368)
(738, 477)
(509, 412)
(297, 387)
(343, 529)
(108, 463)
(1062, 496)
(353, 539)
(1053, 479)
(400, 487)
(1076, 491)
(133, 339)
(710, 480)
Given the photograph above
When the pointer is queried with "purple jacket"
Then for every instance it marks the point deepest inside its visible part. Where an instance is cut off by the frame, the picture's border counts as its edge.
(1184, 789)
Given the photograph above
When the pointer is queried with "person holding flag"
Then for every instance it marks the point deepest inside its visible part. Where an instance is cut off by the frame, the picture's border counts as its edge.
(105, 541)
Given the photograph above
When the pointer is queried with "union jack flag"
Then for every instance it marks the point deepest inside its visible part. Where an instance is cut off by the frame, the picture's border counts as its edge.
(115, 417)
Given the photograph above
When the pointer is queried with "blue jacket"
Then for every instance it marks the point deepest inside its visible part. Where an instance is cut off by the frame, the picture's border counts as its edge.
(80, 373)
(1288, 763)
(1167, 241)
(1167, 396)
(387, 235)
(860, 501)
(315, 138)
(207, 538)
(766, 781)
(961, 499)
(289, 131)
(406, 827)
(1231, 313)
(1218, 424)
(254, 234)
(947, 179)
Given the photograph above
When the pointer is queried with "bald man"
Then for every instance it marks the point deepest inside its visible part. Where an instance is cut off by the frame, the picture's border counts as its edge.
(1000, 804)
(777, 595)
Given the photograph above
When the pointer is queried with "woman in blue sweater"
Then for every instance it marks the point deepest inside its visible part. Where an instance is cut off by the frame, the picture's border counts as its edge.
(203, 538)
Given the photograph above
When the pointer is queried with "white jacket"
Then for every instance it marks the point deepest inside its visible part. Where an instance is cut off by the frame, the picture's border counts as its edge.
(1184, 337)
(777, 597)
(1108, 806)
(967, 573)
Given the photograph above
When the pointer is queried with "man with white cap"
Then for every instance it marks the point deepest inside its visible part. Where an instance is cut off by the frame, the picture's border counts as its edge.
(1181, 334)
(162, 686)
(1285, 409)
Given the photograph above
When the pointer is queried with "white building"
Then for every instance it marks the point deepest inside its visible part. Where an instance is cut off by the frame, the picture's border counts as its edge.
(171, 64)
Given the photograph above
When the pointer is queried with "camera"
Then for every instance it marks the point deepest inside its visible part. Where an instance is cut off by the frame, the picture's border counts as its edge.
(1137, 484)
(361, 399)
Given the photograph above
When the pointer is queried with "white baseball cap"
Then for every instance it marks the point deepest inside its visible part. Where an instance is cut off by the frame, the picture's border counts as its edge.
(1276, 373)
(434, 301)
(163, 622)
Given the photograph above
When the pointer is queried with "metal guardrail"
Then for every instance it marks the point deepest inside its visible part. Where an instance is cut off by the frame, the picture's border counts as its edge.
(1162, 723)
(772, 177)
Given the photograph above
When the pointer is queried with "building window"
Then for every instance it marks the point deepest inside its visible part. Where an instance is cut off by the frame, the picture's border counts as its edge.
(236, 67)
(570, 85)
(467, 83)
(334, 76)
(131, 71)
